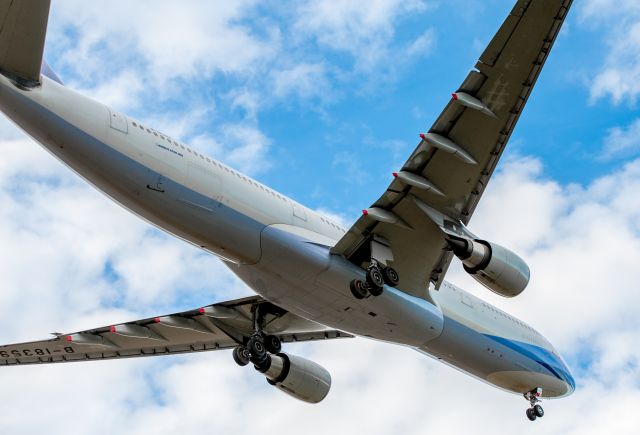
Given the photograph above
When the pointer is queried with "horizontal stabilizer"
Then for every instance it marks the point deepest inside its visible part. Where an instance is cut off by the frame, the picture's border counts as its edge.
(23, 26)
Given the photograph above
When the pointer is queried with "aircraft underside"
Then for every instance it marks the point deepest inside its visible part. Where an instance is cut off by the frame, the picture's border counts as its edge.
(381, 279)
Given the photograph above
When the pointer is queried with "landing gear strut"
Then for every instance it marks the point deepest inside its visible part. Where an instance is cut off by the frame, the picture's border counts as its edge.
(257, 349)
(536, 410)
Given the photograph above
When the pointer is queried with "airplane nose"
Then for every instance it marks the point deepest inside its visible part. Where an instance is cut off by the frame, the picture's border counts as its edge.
(567, 377)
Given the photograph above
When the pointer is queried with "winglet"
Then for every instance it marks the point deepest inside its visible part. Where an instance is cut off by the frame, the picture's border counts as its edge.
(23, 26)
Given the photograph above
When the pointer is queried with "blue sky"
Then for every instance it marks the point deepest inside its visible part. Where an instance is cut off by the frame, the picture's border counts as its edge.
(349, 121)
(322, 100)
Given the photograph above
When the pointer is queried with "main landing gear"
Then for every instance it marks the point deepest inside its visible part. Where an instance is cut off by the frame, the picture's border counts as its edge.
(376, 278)
(376, 254)
(256, 350)
(536, 410)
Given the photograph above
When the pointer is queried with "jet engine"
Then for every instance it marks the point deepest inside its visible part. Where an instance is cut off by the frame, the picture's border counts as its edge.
(493, 266)
(298, 377)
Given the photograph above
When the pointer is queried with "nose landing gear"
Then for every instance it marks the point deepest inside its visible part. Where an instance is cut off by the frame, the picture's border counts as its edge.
(536, 410)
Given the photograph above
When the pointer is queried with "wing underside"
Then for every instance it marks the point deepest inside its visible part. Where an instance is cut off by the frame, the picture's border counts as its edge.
(441, 183)
(23, 26)
(214, 327)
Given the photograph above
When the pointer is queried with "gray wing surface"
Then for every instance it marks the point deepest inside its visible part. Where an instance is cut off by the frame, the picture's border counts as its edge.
(23, 25)
(214, 327)
(448, 171)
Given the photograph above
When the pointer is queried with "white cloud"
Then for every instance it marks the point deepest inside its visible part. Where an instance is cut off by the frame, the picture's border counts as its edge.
(605, 9)
(242, 146)
(169, 40)
(146, 56)
(302, 80)
(422, 45)
(619, 77)
(247, 100)
(366, 33)
(59, 234)
(582, 244)
(622, 142)
(249, 147)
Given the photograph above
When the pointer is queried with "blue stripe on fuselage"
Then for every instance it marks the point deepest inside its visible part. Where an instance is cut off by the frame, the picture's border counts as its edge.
(543, 357)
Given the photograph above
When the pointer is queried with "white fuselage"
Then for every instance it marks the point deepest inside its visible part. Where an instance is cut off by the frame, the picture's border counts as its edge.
(275, 245)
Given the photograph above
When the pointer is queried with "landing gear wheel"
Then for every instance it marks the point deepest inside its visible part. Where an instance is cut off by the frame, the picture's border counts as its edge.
(257, 349)
(390, 276)
(272, 344)
(376, 291)
(374, 277)
(375, 281)
(538, 411)
(531, 414)
(359, 289)
(241, 356)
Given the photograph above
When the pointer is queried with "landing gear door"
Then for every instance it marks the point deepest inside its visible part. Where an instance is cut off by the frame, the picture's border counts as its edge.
(119, 122)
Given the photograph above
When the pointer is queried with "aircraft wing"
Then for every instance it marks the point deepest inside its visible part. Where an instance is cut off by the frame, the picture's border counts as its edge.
(22, 32)
(441, 183)
(214, 327)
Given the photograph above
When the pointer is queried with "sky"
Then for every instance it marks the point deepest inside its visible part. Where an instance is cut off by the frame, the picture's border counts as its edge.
(322, 100)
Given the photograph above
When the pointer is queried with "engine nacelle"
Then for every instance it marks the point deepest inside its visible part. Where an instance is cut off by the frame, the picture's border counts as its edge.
(298, 377)
(497, 268)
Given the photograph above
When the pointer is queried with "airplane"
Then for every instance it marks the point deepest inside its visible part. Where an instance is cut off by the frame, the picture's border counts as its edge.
(382, 278)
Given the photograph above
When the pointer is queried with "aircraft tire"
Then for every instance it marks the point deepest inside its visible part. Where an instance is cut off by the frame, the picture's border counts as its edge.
(273, 344)
(257, 350)
(391, 277)
(376, 291)
(538, 411)
(375, 277)
(359, 289)
(531, 415)
(241, 355)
